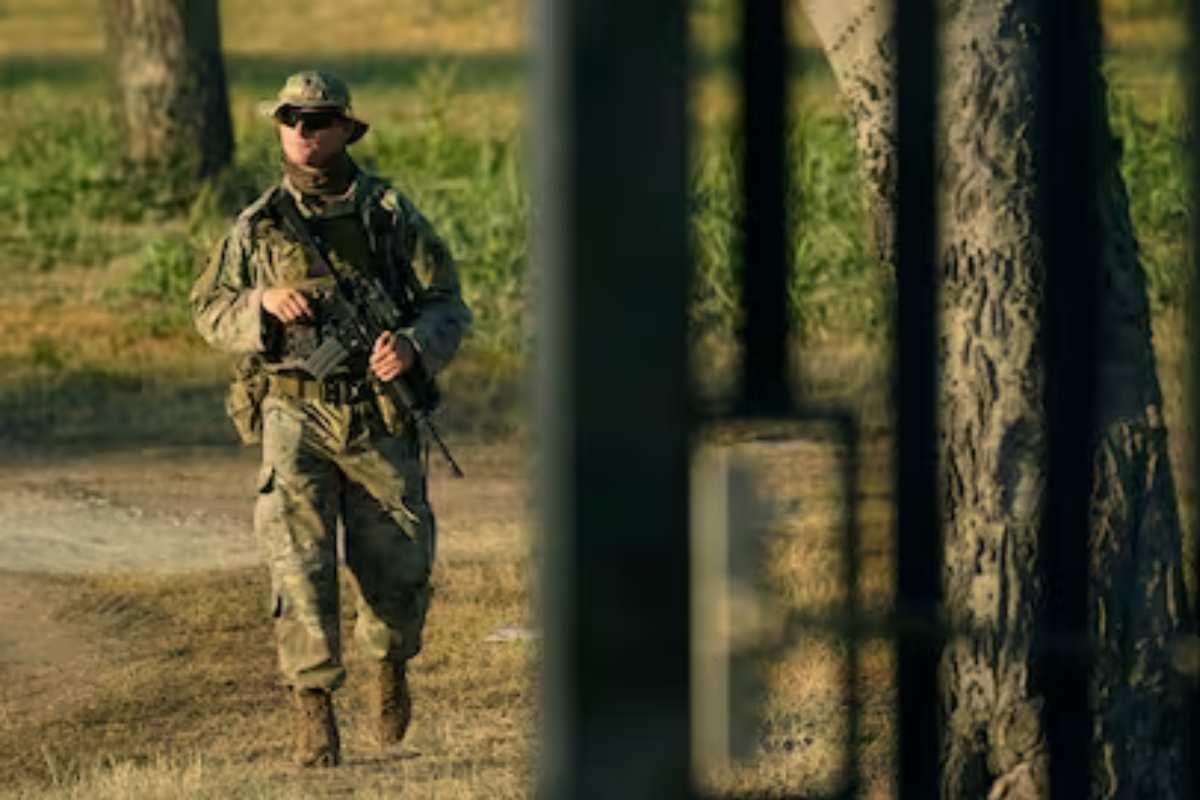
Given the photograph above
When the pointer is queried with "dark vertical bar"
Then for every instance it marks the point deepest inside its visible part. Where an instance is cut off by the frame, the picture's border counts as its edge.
(764, 174)
(611, 390)
(1067, 130)
(918, 559)
(851, 546)
(1192, 64)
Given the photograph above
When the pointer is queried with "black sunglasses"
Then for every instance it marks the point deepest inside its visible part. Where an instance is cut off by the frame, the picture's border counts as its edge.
(313, 120)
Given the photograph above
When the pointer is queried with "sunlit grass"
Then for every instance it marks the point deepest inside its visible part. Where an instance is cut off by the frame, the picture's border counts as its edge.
(192, 707)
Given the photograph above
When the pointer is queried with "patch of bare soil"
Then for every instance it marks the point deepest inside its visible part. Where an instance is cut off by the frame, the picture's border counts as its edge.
(175, 508)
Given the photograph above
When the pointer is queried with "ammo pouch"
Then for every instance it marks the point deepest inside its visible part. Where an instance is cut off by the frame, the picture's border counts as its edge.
(243, 401)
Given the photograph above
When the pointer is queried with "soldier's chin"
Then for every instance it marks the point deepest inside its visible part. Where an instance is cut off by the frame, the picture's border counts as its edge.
(307, 158)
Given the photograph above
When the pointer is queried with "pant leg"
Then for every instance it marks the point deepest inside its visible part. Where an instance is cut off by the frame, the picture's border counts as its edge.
(389, 541)
(295, 521)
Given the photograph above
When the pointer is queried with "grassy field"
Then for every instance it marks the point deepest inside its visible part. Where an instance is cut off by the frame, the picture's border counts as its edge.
(95, 350)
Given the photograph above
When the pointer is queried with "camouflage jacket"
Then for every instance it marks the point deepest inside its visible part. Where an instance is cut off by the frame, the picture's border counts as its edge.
(258, 253)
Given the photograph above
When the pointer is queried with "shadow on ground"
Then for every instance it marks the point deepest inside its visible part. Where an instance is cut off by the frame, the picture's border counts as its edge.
(87, 408)
(93, 408)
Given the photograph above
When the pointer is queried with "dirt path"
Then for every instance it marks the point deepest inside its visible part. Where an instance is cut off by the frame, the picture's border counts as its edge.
(126, 510)
(100, 512)
(73, 522)
(171, 509)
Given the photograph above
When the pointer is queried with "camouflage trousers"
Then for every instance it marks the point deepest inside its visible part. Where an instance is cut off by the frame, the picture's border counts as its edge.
(323, 462)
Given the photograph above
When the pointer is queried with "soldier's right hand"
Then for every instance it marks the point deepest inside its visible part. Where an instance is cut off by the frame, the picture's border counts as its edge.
(285, 304)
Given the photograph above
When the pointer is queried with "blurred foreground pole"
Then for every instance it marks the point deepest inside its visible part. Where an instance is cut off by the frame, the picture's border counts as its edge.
(1068, 129)
(612, 397)
(919, 542)
(764, 173)
(170, 84)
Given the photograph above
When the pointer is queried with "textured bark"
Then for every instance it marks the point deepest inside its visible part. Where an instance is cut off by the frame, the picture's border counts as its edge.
(170, 83)
(857, 41)
(993, 427)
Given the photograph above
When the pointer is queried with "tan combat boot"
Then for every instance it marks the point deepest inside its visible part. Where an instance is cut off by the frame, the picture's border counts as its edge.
(317, 743)
(389, 703)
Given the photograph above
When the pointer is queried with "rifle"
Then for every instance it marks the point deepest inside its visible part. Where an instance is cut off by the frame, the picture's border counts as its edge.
(351, 315)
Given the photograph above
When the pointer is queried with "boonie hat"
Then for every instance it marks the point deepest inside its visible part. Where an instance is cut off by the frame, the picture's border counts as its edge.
(316, 90)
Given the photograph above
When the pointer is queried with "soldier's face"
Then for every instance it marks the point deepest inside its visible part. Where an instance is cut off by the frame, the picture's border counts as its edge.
(309, 147)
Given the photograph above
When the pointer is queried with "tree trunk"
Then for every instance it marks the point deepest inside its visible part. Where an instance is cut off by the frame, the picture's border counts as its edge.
(992, 444)
(170, 81)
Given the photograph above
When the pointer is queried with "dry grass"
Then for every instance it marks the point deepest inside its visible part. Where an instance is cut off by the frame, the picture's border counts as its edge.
(41, 27)
(95, 334)
(169, 689)
(179, 692)
(812, 678)
(164, 686)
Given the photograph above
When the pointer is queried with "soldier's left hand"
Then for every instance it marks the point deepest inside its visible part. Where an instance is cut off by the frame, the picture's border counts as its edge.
(392, 356)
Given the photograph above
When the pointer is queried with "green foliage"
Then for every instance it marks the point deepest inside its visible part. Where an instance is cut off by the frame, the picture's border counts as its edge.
(1156, 169)
(45, 353)
(836, 287)
(67, 200)
(168, 268)
(65, 193)
(473, 188)
(52, 194)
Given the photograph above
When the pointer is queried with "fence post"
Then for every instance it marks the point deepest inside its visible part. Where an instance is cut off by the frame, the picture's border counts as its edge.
(1068, 57)
(612, 405)
(919, 542)
(764, 175)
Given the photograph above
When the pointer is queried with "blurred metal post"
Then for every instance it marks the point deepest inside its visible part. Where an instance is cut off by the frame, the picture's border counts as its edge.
(919, 542)
(1068, 129)
(764, 174)
(612, 397)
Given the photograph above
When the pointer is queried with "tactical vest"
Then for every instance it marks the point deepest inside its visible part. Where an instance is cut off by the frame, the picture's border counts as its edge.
(356, 236)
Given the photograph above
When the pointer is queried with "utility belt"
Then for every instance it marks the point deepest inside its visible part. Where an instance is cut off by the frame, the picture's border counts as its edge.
(340, 390)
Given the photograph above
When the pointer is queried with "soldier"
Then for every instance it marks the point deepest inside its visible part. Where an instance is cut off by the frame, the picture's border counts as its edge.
(333, 449)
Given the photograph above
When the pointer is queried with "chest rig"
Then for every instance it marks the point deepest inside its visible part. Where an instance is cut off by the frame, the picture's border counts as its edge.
(359, 236)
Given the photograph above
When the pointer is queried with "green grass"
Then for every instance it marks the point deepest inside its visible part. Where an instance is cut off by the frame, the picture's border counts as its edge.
(72, 203)
(1157, 168)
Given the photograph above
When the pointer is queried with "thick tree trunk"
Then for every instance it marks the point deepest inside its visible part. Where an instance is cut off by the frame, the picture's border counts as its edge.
(993, 424)
(170, 81)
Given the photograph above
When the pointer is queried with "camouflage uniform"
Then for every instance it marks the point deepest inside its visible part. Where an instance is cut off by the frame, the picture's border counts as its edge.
(330, 455)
